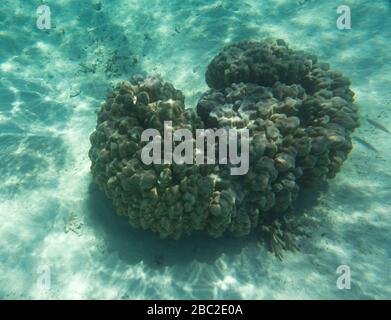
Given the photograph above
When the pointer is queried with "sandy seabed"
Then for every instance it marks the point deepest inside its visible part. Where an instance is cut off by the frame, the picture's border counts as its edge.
(53, 219)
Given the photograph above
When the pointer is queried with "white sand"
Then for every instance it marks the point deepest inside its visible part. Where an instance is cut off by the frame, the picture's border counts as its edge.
(51, 216)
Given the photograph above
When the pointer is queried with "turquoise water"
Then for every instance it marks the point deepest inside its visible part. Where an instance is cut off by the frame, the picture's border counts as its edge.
(56, 223)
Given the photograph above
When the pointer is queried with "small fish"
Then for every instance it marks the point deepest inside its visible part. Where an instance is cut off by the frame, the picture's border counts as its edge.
(98, 6)
(74, 93)
(364, 143)
(147, 36)
(378, 125)
(86, 68)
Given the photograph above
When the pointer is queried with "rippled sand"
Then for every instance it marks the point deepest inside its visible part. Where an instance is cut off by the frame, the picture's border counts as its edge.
(53, 219)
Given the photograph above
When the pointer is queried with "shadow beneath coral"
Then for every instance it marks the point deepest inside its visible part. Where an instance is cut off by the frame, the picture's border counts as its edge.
(308, 198)
(134, 245)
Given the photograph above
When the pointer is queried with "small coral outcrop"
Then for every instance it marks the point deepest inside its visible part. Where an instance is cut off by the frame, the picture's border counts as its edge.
(266, 81)
(300, 116)
(171, 199)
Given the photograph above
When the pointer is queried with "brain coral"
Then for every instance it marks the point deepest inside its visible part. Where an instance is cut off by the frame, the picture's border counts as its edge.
(300, 116)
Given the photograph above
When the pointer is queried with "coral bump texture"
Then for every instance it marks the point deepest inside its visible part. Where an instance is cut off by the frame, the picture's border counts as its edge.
(300, 115)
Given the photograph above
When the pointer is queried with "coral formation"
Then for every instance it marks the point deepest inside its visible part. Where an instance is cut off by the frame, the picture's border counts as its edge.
(300, 116)
(308, 108)
(170, 199)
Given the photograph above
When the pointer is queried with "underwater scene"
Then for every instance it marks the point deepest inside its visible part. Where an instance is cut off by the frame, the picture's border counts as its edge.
(203, 149)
